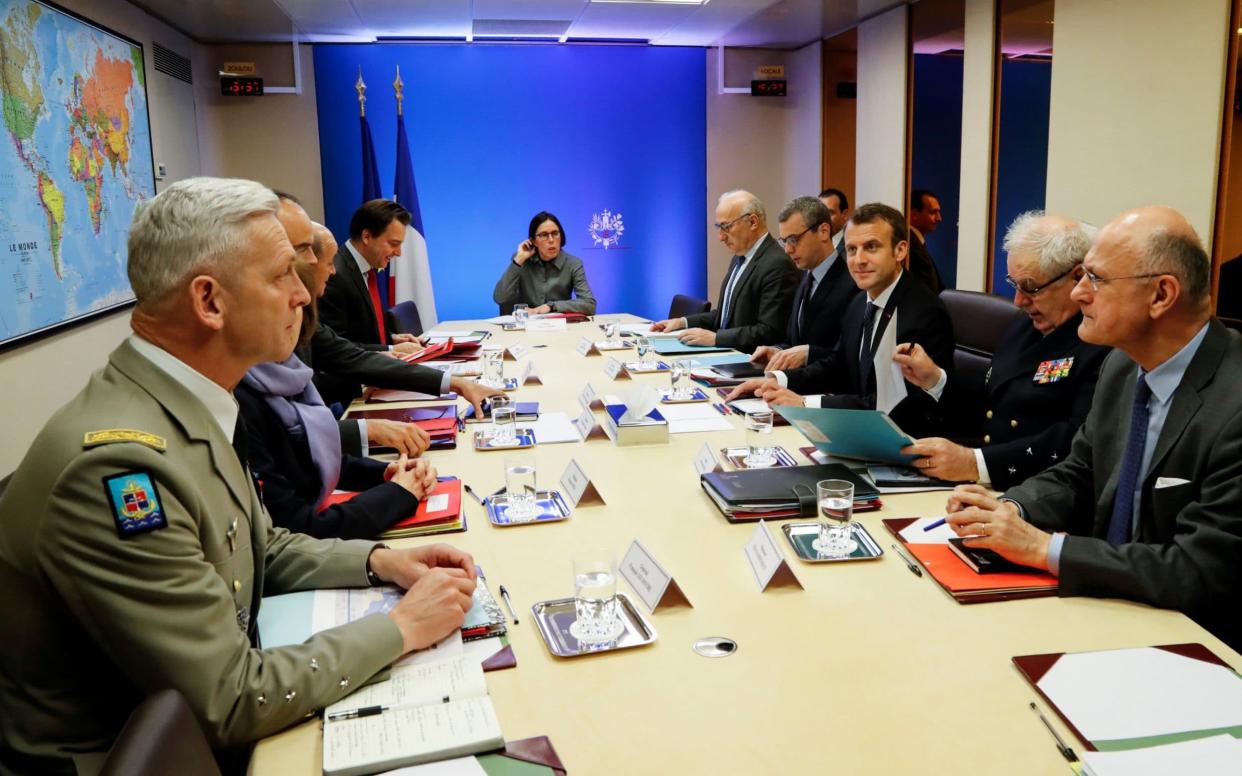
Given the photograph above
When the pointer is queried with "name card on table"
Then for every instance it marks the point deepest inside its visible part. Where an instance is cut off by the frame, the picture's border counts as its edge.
(649, 579)
(587, 400)
(516, 351)
(586, 347)
(766, 560)
(705, 461)
(530, 374)
(587, 427)
(577, 487)
(616, 370)
(545, 324)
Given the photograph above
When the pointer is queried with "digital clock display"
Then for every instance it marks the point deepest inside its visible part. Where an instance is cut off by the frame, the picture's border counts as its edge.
(240, 86)
(772, 87)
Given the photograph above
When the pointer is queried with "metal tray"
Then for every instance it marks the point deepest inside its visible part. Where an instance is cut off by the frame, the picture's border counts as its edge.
(634, 367)
(800, 536)
(607, 345)
(736, 456)
(525, 438)
(555, 617)
(552, 505)
(511, 384)
(697, 396)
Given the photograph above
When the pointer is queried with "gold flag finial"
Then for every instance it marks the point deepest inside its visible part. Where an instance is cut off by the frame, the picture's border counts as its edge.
(398, 86)
(361, 88)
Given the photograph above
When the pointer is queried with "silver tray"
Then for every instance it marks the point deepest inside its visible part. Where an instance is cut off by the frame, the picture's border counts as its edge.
(697, 395)
(633, 367)
(736, 456)
(552, 506)
(524, 438)
(800, 536)
(555, 617)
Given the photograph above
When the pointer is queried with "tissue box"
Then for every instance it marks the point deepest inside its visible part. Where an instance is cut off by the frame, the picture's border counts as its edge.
(652, 429)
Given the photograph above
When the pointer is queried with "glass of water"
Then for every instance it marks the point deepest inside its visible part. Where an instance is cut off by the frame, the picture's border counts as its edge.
(759, 453)
(494, 368)
(521, 314)
(504, 424)
(521, 487)
(643, 346)
(595, 597)
(610, 331)
(678, 372)
(836, 506)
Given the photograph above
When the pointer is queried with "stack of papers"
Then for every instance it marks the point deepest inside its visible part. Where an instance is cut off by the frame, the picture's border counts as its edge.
(694, 418)
(553, 428)
(457, 335)
(1214, 756)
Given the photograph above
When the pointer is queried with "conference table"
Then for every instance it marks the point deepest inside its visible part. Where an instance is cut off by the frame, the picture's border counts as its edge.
(867, 669)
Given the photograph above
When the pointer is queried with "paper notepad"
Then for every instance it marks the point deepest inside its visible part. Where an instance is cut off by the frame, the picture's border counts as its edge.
(434, 711)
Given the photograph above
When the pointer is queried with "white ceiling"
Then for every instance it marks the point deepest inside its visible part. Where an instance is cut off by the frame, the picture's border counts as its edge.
(766, 23)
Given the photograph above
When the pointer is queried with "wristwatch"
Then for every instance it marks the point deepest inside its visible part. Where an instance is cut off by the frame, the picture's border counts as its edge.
(372, 578)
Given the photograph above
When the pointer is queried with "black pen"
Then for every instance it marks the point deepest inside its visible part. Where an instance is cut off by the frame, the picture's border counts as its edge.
(1065, 751)
(914, 569)
(504, 595)
(371, 711)
(473, 495)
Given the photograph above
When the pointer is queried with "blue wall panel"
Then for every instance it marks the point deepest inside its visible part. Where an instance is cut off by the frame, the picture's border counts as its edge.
(937, 158)
(500, 132)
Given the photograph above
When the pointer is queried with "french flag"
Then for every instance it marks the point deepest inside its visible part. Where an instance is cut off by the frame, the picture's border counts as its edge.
(411, 280)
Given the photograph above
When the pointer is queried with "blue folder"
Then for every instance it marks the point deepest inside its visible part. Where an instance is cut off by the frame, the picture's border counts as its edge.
(670, 346)
(869, 435)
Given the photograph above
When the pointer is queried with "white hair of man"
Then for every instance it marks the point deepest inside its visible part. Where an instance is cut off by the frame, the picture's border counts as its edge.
(194, 226)
(750, 203)
(1060, 247)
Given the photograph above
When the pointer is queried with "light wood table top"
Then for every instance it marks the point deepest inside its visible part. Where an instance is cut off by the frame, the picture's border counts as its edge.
(868, 670)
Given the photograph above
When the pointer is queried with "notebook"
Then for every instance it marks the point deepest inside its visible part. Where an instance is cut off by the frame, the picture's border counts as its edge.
(427, 712)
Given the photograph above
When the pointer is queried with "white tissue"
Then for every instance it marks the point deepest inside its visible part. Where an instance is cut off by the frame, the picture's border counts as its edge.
(639, 401)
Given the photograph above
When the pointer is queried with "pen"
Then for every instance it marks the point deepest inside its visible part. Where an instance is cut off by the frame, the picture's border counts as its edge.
(504, 594)
(936, 524)
(914, 569)
(473, 495)
(721, 409)
(1065, 751)
(371, 711)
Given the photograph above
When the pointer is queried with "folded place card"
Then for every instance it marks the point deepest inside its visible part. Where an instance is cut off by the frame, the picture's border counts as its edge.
(587, 400)
(516, 351)
(587, 427)
(577, 487)
(616, 370)
(649, 579)
(545, 324)
(705, 461)
(587, 348)
(767, 562)
(530, 374)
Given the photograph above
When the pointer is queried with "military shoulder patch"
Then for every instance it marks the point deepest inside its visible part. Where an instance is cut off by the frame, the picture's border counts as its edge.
(109, 435)
(135, 503)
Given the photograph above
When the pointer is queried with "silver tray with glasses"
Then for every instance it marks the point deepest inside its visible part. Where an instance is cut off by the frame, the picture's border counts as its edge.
(523, 438)
(646, 367)
(554, 619)
(800, 536)
(551, 504)
(696, 395)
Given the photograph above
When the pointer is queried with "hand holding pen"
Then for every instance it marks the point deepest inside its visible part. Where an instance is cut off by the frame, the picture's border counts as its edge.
(916, 365)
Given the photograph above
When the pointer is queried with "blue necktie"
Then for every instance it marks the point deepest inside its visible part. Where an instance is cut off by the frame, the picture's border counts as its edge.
(866, 370)
(1119, 527)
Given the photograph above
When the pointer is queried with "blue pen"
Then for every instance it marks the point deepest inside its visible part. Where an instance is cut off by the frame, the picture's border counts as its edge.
(936, 524)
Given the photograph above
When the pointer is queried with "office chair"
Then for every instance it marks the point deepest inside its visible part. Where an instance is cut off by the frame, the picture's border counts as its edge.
(161, 736)
(979, 320)
(687, 305)
(405, 318)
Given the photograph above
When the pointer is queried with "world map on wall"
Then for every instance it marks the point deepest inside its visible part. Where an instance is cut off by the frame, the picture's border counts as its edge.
(75, 160)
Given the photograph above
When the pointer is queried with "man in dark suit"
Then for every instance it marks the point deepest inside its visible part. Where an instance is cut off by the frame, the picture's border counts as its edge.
(758, 289)
(1023, 415)
(351, 304)
(826, 288)
(1148, 505)
(852, 374)
(925, 217)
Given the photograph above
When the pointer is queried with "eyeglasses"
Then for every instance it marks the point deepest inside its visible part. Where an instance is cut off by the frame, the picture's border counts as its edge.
(553, 235)
(1096, 281)
(1029, 288)
(792, 240)
(727, 225)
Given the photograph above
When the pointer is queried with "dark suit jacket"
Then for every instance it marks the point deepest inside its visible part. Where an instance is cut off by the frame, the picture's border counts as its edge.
(921, 318)
(1021, 424)
(290, 481)
(333, 356)
(762, 296)
(922, 265)
(1187, 553)
(346, 304)
(820, 324)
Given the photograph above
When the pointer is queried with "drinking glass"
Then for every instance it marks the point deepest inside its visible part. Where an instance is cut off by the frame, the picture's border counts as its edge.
(595, 597)
(521, 487)
(643, 346)
(677, 374)
(494, 368)
(610, 331)
(836, 505)
(504, 425)
(759, 452)
(521, 314)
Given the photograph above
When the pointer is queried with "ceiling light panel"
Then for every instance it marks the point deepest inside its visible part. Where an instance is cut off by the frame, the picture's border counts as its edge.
(442, 18)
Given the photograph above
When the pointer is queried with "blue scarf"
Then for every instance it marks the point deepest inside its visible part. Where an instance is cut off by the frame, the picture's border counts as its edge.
(288, 389)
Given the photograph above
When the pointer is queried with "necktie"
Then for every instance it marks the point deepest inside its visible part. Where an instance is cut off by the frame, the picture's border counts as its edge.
(804, 293)
(373, 287)
(240, 441)
(727, 302)
(865, 371)
(1119, 527)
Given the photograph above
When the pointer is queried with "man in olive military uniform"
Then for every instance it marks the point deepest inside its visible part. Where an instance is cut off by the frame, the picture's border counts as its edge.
(133, 547)
(1038, 389)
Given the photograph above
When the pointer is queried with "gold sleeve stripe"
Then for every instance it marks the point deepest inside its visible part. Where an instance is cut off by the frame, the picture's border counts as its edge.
(111, 435)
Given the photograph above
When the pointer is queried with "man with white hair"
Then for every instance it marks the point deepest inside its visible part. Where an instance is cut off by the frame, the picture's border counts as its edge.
(134, 548)
(1038, 388)
(757, 293)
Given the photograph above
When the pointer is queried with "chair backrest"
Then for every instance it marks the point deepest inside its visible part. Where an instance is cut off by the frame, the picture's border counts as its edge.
(405, 318)
(506, 308)
(684, 305)
(162, 736)
(979, 320)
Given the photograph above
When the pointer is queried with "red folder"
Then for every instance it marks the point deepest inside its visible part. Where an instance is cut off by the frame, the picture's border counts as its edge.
(569, 317)
(422, 516)
(441, 350)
